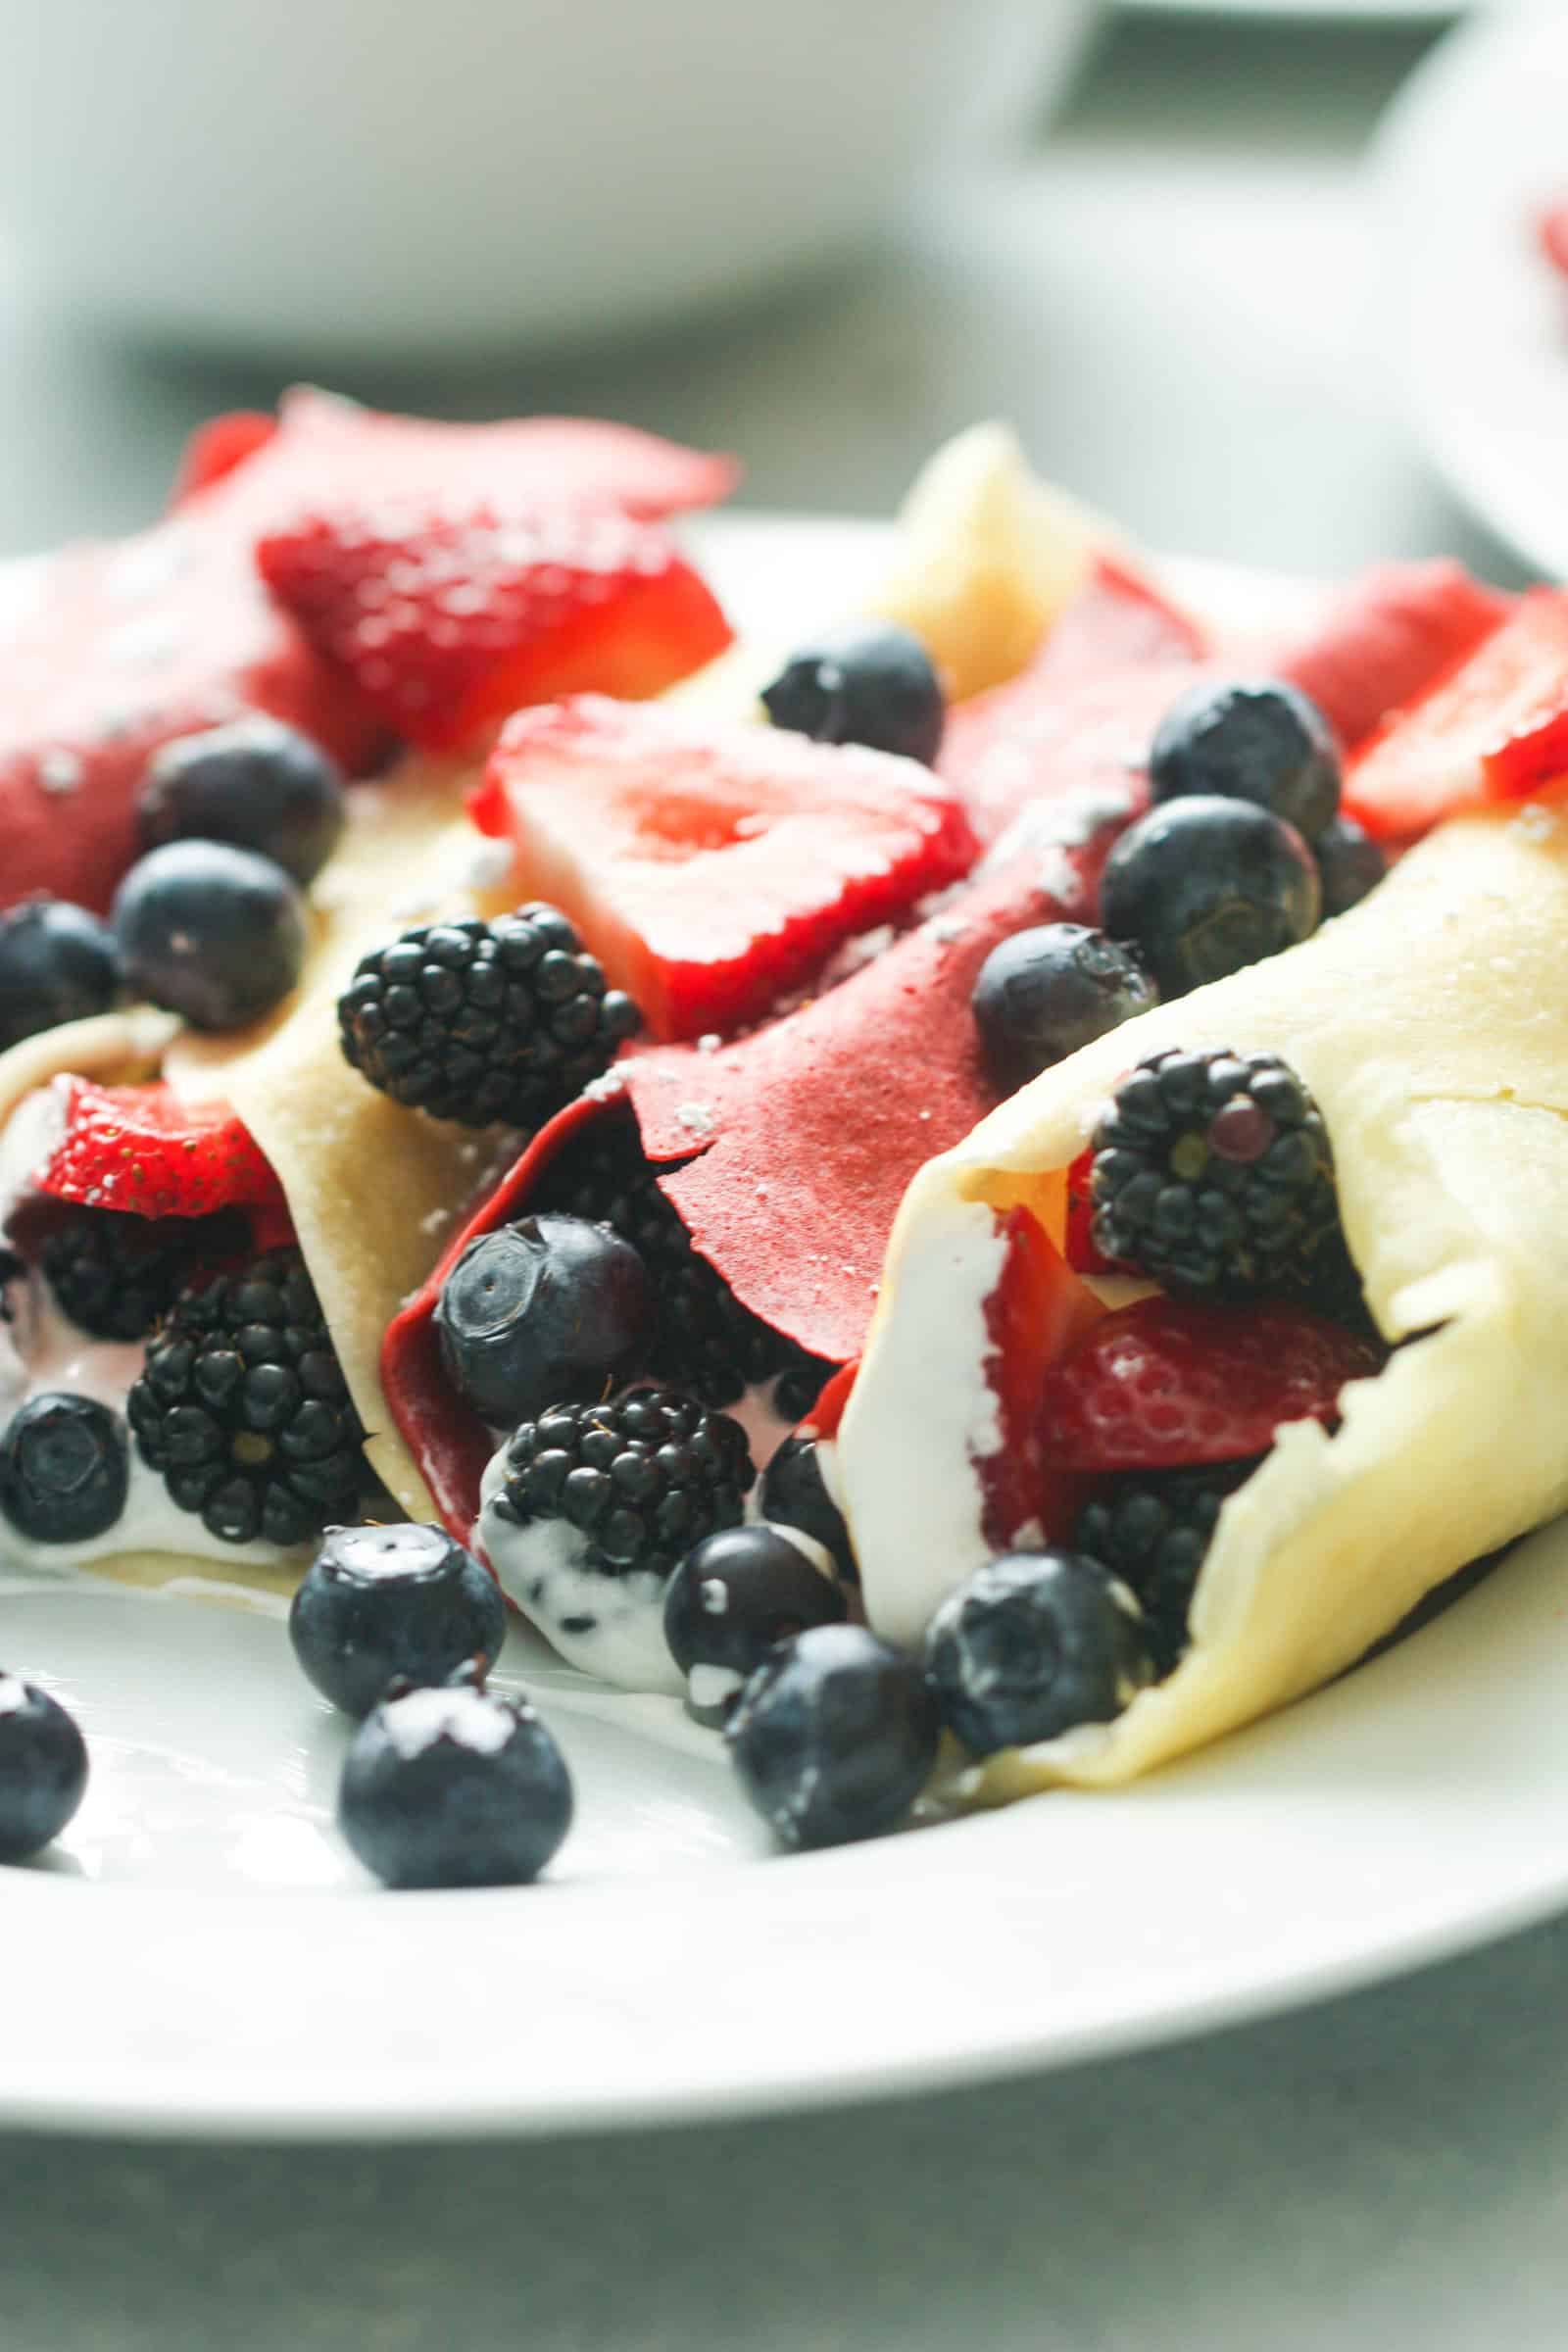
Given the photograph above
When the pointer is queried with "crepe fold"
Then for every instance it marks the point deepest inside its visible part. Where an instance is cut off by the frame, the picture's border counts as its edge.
(1432, 1025)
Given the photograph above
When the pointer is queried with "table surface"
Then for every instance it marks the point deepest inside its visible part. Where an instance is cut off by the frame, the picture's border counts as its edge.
(1174, 302)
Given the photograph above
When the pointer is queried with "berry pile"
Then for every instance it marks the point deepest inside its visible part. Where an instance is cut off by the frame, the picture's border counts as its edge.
(243, 1409)
(485, 1023)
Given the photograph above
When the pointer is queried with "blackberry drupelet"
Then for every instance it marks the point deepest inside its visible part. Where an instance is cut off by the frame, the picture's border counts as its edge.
(705, 1340)
(116, 1276)
(1212, 1173)
(243, 1409)
(486, 1024)
(642, 1478)
(1152, 1528)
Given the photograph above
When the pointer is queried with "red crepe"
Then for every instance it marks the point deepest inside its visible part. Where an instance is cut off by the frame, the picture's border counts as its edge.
(1388, 637)
(112, 650)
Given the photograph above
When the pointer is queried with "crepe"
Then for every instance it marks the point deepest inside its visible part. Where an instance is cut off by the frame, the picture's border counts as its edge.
(1431, 1026)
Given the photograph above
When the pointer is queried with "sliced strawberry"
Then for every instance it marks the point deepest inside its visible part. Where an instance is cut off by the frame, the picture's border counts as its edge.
(1551, 231)
(1385, 640)
(139, 1149)
(712, 866)
(1037, 1311)
(217, 447)
(822, 1421)
(108, 652)
(1167, 1384)
(1494, 728)
(1083, 1255)
(446, 619)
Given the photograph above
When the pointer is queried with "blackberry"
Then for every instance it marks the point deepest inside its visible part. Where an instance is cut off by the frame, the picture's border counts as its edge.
(243, 1408)
(1212, 1173)
(704, 1339)
(485, 1023)
(116, 1276)
(643, 1478)
(1152, 1528)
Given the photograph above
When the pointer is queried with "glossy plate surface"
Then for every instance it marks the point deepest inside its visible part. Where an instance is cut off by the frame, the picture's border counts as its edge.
(1476, 319)
(202, 1957)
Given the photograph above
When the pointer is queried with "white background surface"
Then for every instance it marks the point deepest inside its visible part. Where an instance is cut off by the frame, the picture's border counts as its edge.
(1171, 302)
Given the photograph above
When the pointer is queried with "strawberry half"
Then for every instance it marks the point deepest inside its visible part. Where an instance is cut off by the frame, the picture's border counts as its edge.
(1167, 1384)
(447, 619)
(139, 1149)
(1492, 729)
(712, 866)
(217, 448)
(1037, 1311)
(1388, 637)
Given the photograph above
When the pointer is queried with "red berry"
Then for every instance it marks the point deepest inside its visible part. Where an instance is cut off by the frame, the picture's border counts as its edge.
(139, 1149)
(1165, 1384)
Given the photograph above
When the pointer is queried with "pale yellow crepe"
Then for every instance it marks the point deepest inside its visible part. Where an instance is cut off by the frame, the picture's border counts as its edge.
(1432, 1025)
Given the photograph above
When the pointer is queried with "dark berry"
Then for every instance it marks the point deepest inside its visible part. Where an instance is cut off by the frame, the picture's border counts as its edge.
(705, 1341)
(834, 1736)
(1041, 994)
(457, 1786)
(43, 1768)
(640, 1480)
(1254, 738)
(242, 1408)
(550, 1310)
(1033, 1644)
(255, 784)
(1203, 887)
(213, 933)
(1212, 1174)
(57, 964)
(65, 1469)
(116, 1276)
(867, 682)
(380, 1602)
(794, 1495)
(1349, 864)
(1152, 1528)
(733, 1598)
(485, 1022)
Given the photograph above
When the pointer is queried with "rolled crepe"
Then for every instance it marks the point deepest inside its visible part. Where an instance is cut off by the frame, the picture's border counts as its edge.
(372, 1190)
(1430, 1024)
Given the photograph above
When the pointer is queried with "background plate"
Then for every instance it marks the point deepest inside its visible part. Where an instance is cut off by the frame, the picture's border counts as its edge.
(200, 1956)
(1478, 322)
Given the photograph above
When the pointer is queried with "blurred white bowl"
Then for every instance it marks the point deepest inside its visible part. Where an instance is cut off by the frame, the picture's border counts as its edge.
(379, 176)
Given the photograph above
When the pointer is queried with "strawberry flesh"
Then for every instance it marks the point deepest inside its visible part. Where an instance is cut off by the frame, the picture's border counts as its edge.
(1037, 1311)
(217, 447)
(1385, 638)
(1492, 729)
(140, 1150)
(1166, 1384)
(712, 866)
(447, 619)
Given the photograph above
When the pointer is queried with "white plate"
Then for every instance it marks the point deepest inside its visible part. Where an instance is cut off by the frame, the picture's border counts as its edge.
(1476, 318)
(1335, 11)
(201, 1956)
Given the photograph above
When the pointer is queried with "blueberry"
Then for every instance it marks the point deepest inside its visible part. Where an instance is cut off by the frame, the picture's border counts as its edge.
(43, 1768)
(65, 1469)
(382, 1603)
(793, 1495)
(546, 1311)
(1203, 886)
(213, 933)
(1032, 1644)
(454, 1787)
(1253, 739)
(57, 964)
(733, 1598)
(834, 1736)
(255, 784)
(867, 682)
(1349, 864)
(1041, 994)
